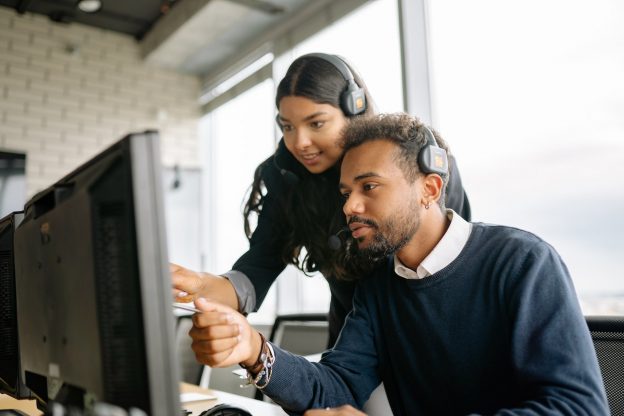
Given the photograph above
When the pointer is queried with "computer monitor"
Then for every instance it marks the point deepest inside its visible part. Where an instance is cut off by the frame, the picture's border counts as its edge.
(11, 382)
(93, 287)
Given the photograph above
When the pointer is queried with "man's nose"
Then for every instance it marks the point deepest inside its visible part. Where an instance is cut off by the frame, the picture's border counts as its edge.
(353, 206)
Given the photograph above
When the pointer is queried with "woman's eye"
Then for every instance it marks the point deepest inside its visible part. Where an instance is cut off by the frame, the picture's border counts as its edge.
(345, 195)
(287, 127)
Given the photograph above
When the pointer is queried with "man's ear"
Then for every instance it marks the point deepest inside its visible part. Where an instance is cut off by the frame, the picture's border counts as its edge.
(432, 187)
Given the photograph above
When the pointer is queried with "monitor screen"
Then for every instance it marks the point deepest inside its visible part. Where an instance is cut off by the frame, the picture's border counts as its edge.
(10, 376)
(93, 287)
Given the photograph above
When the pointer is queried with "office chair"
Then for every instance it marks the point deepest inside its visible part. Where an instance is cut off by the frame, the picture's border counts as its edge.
(608, 335)
(302, 334)
(190, 369)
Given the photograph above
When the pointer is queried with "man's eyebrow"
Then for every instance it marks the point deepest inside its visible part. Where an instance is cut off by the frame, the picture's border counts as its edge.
(360, 177)
(310, 117)
(366, 175)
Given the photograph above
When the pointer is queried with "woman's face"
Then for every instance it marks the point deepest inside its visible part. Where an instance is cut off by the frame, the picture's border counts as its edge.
(312, 132)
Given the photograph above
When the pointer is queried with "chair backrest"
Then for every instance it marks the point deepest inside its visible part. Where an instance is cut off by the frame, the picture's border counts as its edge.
(302, 334)
(608, 335)
(190, 369)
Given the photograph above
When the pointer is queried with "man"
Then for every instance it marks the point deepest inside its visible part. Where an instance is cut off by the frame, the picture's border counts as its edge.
(457, 317)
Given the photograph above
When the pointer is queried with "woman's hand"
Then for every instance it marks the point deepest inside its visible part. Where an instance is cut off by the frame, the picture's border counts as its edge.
(189, 285)
(223, 337)
(345, 410)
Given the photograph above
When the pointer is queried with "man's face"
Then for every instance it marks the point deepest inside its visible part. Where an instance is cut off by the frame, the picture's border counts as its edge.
(381, 206)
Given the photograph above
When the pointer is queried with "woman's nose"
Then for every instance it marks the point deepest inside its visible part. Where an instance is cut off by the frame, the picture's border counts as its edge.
(302, 140)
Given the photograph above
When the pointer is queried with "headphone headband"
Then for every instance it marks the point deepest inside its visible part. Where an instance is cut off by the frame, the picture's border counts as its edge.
(353, 98)
(336, 61)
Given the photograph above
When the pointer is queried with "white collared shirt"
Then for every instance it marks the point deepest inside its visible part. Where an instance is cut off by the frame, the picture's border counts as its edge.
(447, 249)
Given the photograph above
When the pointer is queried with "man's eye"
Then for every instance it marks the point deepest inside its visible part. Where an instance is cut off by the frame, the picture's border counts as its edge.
(369, 186)
(317, 124)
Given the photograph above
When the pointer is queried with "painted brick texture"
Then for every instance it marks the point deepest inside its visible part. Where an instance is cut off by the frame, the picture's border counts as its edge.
(69, 91)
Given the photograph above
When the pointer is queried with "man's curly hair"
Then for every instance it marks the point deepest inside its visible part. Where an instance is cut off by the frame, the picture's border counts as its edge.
(404, 130)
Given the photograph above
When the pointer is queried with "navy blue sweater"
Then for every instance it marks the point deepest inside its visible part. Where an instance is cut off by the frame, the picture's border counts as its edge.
(497, 331)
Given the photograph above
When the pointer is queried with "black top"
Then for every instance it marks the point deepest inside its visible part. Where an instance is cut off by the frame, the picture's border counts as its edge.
(262, 263)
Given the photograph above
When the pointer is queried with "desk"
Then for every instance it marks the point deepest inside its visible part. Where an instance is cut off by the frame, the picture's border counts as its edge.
(255, 407)
(27, 406)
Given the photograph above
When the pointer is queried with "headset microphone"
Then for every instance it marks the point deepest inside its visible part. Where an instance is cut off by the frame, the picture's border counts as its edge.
(334, 242)
(290, 178)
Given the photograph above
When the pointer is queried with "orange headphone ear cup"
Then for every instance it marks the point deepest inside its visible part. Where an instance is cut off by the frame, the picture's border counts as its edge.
(353, 98)
(432, 158)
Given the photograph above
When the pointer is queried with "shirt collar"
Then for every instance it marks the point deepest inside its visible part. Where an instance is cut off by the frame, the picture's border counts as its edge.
(447, 249)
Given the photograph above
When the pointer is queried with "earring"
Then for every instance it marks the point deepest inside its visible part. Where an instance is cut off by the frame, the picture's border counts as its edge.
(427, 205)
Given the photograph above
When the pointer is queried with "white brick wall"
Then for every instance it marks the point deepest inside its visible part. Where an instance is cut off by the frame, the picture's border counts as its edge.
(62, 108)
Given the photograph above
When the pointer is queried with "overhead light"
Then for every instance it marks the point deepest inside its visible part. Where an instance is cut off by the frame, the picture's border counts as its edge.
(90, 6)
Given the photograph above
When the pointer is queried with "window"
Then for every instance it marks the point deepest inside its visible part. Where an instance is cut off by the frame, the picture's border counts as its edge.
(374, 53)
(530, 97)
(237, 137)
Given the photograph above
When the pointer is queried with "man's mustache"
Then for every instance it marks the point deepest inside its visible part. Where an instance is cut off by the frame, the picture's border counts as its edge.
(361, 220)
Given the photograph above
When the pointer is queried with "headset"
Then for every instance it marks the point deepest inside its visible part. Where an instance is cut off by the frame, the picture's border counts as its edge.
(353, 98)
(432, 158)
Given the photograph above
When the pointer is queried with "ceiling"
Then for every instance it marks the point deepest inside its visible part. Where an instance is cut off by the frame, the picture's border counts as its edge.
(208, 38)
(131, 17)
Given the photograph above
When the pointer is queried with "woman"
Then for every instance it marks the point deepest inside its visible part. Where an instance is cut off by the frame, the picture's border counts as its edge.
(295, 195)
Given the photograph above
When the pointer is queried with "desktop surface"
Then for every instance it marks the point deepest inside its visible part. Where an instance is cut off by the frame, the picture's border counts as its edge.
(255, 407)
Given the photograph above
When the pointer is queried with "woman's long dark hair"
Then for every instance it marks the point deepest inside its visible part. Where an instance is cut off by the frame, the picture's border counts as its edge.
(310, 211)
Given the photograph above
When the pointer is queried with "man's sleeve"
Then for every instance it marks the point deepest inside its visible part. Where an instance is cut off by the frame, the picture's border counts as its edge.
(347, 374)
(552, 351)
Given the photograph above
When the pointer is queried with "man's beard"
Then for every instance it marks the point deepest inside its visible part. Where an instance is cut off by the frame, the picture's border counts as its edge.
(390, 235)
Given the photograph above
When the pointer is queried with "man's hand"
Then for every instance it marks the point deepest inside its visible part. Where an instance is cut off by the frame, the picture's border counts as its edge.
(222, 336)
(345, 410)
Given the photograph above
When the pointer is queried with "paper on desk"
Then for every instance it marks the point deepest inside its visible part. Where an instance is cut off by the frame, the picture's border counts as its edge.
(186, 306)
(242, 373)
(195, 397)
